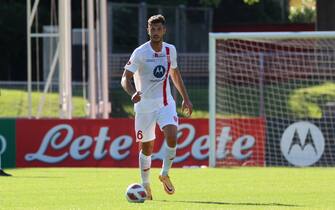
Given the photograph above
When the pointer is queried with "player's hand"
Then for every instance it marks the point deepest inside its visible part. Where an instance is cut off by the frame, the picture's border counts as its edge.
(187, 107)
(136, 97)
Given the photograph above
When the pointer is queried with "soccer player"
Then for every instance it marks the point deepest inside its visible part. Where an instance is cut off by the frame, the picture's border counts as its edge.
(152, 64)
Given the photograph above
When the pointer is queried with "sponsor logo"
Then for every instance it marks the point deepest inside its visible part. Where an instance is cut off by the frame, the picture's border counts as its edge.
(159, 71)
(158, 55)
(79, 148)
(156, 80)
(3, 144)
(108, 144)
(149, 60)
(241, 148)
(302, 144)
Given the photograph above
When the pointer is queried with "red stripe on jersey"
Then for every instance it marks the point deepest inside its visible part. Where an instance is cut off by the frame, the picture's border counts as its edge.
(167, 76)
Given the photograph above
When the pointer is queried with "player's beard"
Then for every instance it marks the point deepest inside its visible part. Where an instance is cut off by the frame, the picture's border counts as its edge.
(156, 40)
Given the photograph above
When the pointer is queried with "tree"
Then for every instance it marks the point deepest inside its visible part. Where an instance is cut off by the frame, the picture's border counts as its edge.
(12, 40)
(217, 2)
(210, 2)
(325, 15)
(238, 11)
(306, 13)
(251, 2)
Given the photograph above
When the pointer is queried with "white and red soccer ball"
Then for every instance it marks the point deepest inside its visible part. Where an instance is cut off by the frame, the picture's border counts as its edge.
(136, 193)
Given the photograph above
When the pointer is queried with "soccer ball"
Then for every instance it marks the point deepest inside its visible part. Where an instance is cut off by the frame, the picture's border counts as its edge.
(136, 193)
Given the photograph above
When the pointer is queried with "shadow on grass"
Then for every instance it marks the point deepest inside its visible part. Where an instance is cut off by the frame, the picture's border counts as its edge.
(36, 177)
(228, 203)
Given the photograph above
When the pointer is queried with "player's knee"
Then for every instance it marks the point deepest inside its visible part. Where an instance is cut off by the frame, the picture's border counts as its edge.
(147, 148)
(172, 141)
(146, 152)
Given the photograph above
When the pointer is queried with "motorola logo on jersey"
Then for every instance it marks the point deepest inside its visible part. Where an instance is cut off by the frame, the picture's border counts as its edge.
(159, 71)
(302, 144)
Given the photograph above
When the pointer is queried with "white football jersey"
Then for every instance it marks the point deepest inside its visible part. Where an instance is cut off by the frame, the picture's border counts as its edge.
(151, 75)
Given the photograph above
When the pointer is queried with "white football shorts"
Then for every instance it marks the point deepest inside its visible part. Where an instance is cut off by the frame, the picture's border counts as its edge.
(145, 123)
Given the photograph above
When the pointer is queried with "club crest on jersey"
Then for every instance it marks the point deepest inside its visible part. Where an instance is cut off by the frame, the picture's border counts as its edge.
(159, 71)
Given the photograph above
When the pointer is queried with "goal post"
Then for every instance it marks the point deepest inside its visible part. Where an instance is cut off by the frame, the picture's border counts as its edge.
(271, 98)
(212, 110)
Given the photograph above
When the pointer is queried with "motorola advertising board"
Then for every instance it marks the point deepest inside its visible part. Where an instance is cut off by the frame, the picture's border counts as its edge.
(300, 143)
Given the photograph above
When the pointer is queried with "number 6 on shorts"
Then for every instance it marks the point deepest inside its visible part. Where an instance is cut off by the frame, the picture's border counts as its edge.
(139, 135)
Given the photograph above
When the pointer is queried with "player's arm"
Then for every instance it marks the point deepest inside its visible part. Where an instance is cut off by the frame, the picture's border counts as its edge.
(128, 86)
(178, 82)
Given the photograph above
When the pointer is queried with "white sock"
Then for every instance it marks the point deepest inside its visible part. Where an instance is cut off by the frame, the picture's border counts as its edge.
(145, 164)
(170, 154)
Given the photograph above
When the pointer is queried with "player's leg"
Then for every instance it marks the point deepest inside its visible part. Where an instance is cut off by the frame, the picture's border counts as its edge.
(170, 134)
(145, 124)
(168, 122)
(145, 165)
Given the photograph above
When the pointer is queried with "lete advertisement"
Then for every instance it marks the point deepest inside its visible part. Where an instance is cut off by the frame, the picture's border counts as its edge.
(112, 143)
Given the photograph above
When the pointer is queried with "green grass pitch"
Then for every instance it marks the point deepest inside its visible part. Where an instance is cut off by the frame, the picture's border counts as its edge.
(228, 188)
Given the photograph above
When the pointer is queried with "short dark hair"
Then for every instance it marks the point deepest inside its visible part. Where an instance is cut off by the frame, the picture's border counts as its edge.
(156, 19)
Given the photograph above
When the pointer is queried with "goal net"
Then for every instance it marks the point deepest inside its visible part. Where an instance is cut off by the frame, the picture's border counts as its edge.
(272, 99)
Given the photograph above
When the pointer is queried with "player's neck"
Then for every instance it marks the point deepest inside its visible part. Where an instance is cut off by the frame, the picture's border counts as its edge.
(156, 46)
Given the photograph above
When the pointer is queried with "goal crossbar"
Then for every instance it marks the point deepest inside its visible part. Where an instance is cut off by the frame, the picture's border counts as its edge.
(272, 35)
